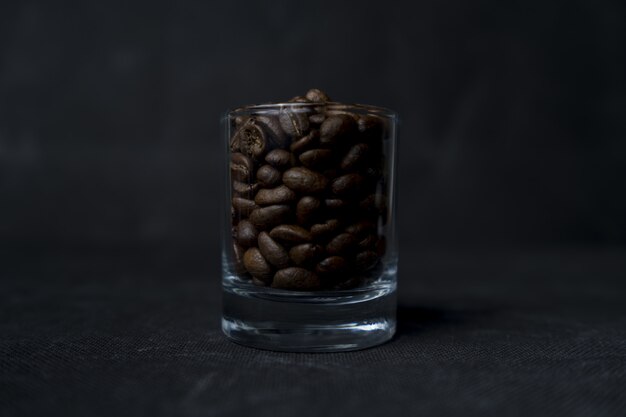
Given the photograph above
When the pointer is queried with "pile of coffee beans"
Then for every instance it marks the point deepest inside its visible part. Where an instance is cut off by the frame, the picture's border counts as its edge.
(308, 194)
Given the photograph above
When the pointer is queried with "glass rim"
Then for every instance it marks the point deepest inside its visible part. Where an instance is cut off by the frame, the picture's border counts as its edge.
(256, 109)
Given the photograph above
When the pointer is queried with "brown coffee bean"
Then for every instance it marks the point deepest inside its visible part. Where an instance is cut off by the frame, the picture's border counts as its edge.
(273, 251)
(331, 265)
(355, 157)
(279, 195)
(307, 209)
(257, 266)
(276, 136)
(371, 127)
(258, 282)
(294, 122)
(365, 260)
(279, 158)
(243, 207)
(323, 230)
(306, 142)
(241, 167)
(374, 204)
(306, 253)
(290, 233)
(245, 190)
(348, 184)
(335, 203)
(252, 140)
(246, 234)
(341, 244)
(317, 118)
(361, 228)
(304, 180)
(238, 265)
(270, 216)
(295, 278)
(337, 129)
(368, 242)
(268, 176)
(317, 158)
(317, 96)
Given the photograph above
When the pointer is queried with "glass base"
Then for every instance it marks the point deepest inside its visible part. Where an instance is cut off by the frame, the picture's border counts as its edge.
(323, 321)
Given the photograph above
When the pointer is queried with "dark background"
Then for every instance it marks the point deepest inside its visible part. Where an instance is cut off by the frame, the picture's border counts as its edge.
(512, 194)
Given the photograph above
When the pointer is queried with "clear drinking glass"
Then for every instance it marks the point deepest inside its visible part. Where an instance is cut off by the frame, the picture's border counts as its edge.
(309, 249)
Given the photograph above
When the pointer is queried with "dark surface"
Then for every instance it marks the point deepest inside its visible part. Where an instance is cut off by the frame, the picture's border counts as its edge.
(508, 333)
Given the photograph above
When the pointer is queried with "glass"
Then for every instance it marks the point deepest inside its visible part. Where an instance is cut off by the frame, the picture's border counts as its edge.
(309, 249)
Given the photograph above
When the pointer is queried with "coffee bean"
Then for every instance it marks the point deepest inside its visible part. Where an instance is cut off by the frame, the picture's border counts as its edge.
(317, 96)
(355, 157)
(290, 233)
(317, 158)
(371, 127)
(245, 190)
(368, 242)
(238, 253)
(348, 184)
(307, 209)
(279, 158)
(335, 204)
(323, 230)
(258, 282)
(243, 207)
(341, 244)
(270, 216)
(337, 129)
(278, 195)
(253, 140)
(295, 278)
(304, 180)
(294, 122)
(365, 260)
(306, 142)
(374, 204)
(331, 265)
(299, 99)
(317, 118)
(305, 254)
(257, 266)
(268, 176)
(241, 167)
(361, 228)
(246, 234)
(277, 137)
(273, 251)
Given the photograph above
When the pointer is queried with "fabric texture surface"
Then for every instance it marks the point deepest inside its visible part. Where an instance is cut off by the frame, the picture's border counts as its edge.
(507, 333)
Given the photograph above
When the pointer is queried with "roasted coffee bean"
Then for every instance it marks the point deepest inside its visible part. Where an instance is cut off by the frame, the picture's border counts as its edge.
(279, 158)
(291, 233)
(371, 127)
(303, 180)
(374, 203)
(245, 190)
(257, 266)
(355, 157)
(268, 176)
(243, 207)
(233, 143)
(295, 122)
(361, 228)
(307, 209)
(335, 204)
(273, 251)
(305, 254)
(306, 142)
(337, 129)
(246, 234)
(368, 242)
(348, 184)
(270, 216)
(295, 278)
(252, 140)
(341, 244)
(258, 282)
(317, 158)
(365, 260)
(238, 266)
(331, 265)
(323, 230)
(317, 118)
(279, 195)
(317, 96)
(241, 167)
(277, 137)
